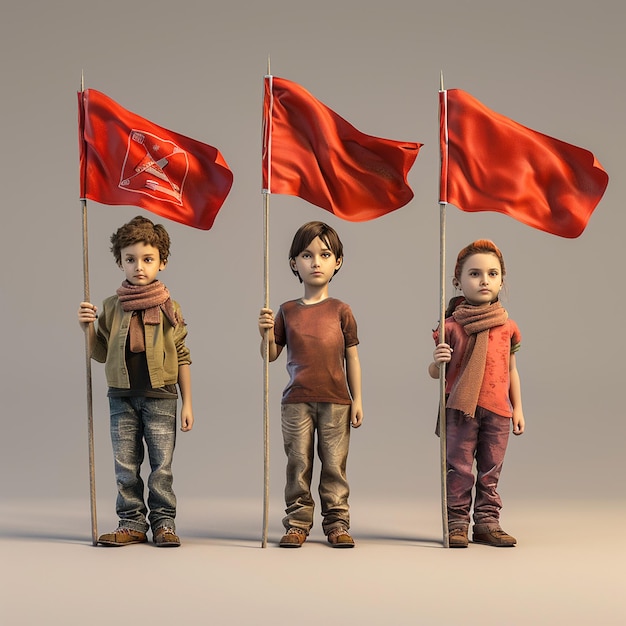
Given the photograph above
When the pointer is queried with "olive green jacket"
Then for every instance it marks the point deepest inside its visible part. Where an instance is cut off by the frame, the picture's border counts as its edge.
(165, 346)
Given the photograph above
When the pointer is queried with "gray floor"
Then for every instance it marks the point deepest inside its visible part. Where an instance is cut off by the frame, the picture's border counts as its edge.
(567, 569)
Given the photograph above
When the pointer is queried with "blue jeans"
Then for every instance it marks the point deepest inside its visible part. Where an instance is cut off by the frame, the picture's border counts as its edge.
(133, 421)
(484, 439)
(332, 423)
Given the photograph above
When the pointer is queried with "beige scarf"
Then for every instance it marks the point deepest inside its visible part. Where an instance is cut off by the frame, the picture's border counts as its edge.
(476, 322)
(150, 300)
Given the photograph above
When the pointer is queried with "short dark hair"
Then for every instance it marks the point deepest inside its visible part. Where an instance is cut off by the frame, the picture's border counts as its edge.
(140, 230)
(307, 233)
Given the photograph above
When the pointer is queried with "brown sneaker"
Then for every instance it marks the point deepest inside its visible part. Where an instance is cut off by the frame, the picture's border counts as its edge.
(122, 537)
(494, 536)
(293, 538)
(165, 537)
(340, 538)
(457, 538)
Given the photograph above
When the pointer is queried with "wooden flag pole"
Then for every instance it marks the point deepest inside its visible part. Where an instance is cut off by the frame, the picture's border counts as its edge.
(266, 374)
(442, 366)
(266, 351)
(86, 298)
(92, 470)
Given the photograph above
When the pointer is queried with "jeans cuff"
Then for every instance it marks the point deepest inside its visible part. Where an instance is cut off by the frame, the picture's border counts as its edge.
(141, 527)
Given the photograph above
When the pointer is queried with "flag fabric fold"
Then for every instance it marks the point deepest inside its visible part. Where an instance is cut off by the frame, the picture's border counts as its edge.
(126, 159)
(491, 163)
(311, 152)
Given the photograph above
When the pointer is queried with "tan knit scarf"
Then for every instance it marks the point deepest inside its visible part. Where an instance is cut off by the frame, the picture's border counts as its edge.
(150, 300)
(476, 322)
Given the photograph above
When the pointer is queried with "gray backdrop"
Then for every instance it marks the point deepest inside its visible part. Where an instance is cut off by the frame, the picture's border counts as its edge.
(197, 67)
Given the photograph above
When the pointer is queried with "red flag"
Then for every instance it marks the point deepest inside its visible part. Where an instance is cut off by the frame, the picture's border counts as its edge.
(311, 152)
(125, 159)
(491, 163)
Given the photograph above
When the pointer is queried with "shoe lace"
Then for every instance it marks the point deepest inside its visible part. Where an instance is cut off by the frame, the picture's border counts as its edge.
(295, 531)
(338, 532)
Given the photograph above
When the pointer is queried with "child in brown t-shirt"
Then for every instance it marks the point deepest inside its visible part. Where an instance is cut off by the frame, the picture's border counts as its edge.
(324, 389)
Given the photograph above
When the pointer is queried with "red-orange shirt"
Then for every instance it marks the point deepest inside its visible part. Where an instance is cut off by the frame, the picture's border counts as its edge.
(316, 336)
(503, 341)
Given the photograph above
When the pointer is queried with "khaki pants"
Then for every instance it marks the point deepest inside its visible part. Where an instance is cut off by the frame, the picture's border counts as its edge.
(299, 425)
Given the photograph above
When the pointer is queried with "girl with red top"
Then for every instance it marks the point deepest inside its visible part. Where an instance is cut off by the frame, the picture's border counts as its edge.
(483, 394)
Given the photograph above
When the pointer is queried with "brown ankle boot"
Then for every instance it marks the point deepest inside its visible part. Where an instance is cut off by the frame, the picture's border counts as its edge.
(492, 536)
(293, 538)
(457, 538)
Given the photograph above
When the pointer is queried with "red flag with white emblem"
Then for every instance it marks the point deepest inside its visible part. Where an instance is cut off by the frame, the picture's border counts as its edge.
(126, 159)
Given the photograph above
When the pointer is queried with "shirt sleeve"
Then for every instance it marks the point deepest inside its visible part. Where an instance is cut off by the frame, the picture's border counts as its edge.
(449, 333)
(349, 327)
(99, 350)
(279, 328)
(516, 338)
(180, 333)
(436, 335)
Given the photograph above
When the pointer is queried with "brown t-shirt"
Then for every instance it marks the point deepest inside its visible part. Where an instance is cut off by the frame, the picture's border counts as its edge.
(316, 336)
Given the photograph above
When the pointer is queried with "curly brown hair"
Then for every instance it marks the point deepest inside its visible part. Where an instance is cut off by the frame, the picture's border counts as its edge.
(140, 230)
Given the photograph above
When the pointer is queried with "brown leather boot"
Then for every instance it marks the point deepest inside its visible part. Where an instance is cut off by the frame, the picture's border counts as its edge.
(492, 536)
(340, 538)
(122, 537)
(293, 538)
(457, 538)
(166, 537)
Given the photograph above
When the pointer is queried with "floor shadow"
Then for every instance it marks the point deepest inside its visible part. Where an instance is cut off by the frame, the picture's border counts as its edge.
(58, 537)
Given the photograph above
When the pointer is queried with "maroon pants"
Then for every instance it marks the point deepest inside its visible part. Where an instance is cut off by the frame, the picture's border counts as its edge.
(483, 438)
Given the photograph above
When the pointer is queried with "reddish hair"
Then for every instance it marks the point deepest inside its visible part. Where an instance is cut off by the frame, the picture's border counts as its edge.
(480, 246)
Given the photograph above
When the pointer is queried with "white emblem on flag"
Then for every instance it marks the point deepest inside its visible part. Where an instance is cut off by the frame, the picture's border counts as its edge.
(155, 167)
